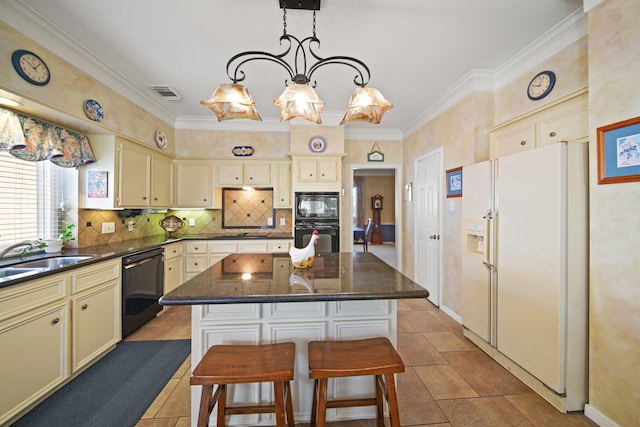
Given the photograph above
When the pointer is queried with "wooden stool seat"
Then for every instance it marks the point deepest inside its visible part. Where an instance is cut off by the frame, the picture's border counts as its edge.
(240, 364)
(335, 359)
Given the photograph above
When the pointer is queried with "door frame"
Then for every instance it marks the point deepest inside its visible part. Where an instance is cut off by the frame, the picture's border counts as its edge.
(441, 201)
(397, 203)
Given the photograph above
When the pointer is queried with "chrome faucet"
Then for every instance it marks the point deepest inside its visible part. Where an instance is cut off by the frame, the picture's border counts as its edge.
(29, 246)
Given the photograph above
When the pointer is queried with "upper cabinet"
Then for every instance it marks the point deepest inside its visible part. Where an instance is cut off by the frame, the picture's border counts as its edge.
(194, 184)
(564, 120)
(234, 172)
(281, 179)
(317, 173)
(126, 175)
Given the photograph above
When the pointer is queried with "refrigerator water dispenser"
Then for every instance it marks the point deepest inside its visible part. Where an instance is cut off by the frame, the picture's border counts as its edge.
(474, 237)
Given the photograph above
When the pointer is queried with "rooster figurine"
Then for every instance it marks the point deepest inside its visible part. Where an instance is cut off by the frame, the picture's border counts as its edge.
(303, 257)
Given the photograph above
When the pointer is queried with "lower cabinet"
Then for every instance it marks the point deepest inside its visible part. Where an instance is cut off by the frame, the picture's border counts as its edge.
(52, 327)
(173, 267)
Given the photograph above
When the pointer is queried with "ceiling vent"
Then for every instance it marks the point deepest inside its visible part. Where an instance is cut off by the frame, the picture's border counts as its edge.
(166, 92)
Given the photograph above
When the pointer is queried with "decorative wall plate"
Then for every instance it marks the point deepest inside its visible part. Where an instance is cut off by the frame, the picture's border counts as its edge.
(317, 144)
(242, 150)
(93, 110)
(161, 139)
(171, 223)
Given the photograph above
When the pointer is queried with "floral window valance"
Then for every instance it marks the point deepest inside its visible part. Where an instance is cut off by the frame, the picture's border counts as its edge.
(31, 139)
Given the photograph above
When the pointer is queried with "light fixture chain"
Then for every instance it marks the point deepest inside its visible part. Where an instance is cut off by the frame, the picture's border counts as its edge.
(314, 20)
(284, 19)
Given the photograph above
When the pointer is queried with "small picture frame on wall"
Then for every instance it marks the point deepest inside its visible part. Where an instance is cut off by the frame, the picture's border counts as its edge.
(454, 182)
(619, 152)
(97, 184)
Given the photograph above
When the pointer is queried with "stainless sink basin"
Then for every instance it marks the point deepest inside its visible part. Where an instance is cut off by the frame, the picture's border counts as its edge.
(8, 273)
(54, 262)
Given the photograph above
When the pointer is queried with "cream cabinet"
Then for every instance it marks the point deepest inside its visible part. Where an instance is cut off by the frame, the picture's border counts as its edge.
(173, 266)
(234, 172)
(96, 311)
(194, 184)
(566, 119)
(317, 173)
(136, 176)
(281, 180)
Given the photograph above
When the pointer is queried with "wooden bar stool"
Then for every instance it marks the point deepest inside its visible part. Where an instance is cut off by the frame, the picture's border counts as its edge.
(240, 364)
(334, 359)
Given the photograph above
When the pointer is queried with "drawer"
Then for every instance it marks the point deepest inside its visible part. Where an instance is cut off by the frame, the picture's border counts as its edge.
(223, 247)
(569, 127)
(196, 263)
(96, 274)
(277, 246)
(252, 247)
(513, 139)
(196, 247)
(20, 298)
(172, 251)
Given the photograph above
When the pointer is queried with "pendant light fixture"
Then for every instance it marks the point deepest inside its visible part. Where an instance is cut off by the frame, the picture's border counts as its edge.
(299, 99)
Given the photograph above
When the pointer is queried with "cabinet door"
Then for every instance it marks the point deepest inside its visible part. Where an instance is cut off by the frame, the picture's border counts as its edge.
(513, 139)
(173, 272)
(566, 126)
(327, 170)
(230, 173)
(282, 186)
(35, 357)
(256, 174)
(307, 170)
(134, 176)
(96, 323)
(161, 181)
(194, 184)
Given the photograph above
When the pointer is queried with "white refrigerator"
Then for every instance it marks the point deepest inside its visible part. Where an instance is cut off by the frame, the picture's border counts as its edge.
(525, 267)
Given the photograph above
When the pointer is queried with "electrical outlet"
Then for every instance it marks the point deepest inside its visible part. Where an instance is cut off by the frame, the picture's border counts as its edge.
(192, 222)
(108, 227)
(269, 221)
(283, 221)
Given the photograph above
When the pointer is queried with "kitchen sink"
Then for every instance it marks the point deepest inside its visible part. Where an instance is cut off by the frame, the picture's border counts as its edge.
(53, 262)
(10, 273)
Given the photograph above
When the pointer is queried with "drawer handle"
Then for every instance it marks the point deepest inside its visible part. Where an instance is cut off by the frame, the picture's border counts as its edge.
(144, 198)
(552, 134)
(55, 321)
(523, 142)
(204, 200)
(85, 306)
(169, 268)
(155, 198)
(195, 263)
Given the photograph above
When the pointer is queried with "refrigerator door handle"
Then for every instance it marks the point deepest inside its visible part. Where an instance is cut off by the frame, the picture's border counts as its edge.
(487, 215)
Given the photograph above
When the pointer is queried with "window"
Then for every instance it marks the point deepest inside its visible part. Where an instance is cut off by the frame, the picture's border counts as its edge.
(32, 201)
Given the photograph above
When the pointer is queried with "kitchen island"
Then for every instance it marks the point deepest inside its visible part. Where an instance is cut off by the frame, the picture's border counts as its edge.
(261, 298)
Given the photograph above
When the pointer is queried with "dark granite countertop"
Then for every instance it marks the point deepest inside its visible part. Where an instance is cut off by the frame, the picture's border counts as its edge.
(268, 278)
(120, 249)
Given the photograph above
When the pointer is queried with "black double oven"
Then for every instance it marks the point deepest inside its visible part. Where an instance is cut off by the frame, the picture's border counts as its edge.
(318, 211)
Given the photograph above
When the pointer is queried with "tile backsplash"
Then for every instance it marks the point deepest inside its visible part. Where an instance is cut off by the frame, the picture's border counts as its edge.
(247, 208)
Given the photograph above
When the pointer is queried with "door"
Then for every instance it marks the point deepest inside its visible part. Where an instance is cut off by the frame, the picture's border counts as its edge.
(428, 193)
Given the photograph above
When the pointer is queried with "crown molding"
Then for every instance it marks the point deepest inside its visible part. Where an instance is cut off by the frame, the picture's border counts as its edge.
(590, 4)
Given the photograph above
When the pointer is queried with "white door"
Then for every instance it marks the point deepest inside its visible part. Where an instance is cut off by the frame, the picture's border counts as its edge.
(428, 187)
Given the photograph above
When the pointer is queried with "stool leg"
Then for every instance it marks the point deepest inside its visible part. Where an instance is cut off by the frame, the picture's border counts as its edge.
(222, 405)
(394, 411)
(278, 392)
(377, 379)
(322, 402)
(314, 404)
(205, 406)
(289, 404)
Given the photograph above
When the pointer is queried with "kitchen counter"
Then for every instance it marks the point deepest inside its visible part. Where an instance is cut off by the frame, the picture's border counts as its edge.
(120, 249)
(261, 298)
(333, 277)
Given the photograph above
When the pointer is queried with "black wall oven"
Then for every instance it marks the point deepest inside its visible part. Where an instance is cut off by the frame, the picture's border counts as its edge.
(318, 211)
(142, 287)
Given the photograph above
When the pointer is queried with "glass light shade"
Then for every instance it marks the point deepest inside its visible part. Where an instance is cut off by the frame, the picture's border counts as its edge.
(232, 101)
(299, 101)
(366, 105)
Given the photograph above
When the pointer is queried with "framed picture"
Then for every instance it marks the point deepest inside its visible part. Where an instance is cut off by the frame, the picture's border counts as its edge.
(97, 184)
(619, 152)
(454, 182)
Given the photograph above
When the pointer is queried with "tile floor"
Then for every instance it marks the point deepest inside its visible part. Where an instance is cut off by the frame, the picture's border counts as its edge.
(448, 381)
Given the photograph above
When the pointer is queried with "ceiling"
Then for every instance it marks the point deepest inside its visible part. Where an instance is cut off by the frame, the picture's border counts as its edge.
(416, 49)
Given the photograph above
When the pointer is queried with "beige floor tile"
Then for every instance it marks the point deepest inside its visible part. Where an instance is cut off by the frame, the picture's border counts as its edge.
(415, 403)
(161, 398)
(183, 422)
(418, 321)
(178, 403)
(157, 422)
(443, 382)
(415, 349)
(447, 341)
(542, 414)
(483, 412)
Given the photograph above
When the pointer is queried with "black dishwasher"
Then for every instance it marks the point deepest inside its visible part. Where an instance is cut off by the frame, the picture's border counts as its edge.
(142, 286)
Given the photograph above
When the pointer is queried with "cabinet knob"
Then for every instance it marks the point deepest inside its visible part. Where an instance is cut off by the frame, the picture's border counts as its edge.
(55, 321)
(155, 198)
(144, 198)
(204, 200)
(195, 263)
(552, 134)
(85, 306)
(523, 142)
(169, 269)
